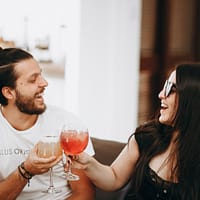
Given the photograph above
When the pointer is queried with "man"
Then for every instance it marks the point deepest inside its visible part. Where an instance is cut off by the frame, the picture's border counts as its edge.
(24, 118)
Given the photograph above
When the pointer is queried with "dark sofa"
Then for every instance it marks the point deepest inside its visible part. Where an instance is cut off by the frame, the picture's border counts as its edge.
(105, 152)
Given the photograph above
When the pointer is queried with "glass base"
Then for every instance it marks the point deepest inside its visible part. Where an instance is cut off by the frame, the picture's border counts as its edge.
(72, 177)
(51, 190)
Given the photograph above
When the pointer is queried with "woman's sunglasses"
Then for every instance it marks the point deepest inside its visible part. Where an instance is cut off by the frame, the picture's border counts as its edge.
(169, 88)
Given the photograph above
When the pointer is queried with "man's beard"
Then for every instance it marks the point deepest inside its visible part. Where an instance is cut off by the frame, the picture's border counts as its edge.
(26, 105)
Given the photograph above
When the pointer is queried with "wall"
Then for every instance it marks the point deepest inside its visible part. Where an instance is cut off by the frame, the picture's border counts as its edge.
(101, 41)
(105, 91)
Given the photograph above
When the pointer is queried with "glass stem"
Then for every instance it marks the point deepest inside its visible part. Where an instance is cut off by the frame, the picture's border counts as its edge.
(51, 178)
(69, 169)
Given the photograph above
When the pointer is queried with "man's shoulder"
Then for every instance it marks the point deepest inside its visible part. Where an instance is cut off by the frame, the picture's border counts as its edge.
(56, 111)
(52, 108)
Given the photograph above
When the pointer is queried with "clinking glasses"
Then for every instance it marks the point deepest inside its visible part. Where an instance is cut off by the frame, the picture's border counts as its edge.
(169, 88)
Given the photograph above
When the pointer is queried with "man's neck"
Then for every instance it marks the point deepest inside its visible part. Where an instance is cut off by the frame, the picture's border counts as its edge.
(18, 120)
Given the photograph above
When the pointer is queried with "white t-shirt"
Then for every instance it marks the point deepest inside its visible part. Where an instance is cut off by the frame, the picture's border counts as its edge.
(15, 146)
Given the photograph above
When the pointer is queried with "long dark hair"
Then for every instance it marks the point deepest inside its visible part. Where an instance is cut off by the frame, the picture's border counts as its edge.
(9, 57)
(187, 122)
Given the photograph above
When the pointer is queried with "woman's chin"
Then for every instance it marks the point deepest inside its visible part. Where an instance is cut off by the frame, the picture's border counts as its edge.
(163, 120)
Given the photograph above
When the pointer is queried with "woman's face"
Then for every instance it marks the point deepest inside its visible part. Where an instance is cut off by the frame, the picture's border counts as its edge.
(168, 99)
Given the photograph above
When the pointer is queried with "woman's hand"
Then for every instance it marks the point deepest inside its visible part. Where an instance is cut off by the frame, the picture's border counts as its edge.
(81, 161)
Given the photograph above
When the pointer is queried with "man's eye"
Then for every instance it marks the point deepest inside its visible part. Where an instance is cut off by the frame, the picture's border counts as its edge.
(32, 80)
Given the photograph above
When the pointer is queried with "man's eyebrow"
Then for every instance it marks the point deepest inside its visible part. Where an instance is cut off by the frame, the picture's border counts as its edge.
(35, 74)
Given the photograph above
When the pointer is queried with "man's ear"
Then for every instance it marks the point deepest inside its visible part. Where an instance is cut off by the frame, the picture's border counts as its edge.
(7, 92)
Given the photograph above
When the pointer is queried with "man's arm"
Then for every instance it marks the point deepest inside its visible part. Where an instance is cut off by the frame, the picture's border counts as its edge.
(12, 186)
(82, 189)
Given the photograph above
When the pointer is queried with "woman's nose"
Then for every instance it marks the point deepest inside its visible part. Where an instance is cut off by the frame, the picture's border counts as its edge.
(161, 94)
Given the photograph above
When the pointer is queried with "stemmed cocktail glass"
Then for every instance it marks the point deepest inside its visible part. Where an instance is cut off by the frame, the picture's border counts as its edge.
(50, 146)
(73, 141)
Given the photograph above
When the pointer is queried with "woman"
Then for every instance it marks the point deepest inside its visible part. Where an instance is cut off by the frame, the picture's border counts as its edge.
(162, 157)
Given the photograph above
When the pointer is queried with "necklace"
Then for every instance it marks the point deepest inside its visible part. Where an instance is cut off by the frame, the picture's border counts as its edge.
(170, 172)
(164, 163)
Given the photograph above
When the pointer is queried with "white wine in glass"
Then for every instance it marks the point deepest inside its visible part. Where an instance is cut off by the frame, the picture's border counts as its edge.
(50, 146)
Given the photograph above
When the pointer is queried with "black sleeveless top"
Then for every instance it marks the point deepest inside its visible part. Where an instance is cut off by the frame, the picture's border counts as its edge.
(153, 186)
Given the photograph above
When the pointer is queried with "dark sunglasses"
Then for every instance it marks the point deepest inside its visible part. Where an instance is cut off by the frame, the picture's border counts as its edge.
(5, 66)
(169, 88)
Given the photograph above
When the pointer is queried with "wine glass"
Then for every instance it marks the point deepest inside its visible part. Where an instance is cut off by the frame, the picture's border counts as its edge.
(73, 141)
(50, 146)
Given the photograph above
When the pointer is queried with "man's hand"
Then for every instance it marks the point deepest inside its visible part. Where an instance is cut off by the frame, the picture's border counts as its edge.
(36, 165)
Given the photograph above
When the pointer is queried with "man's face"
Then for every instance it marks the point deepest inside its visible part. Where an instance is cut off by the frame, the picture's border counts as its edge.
(30, 87)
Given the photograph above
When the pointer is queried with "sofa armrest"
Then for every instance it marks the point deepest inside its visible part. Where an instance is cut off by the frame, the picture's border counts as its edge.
(105, 152)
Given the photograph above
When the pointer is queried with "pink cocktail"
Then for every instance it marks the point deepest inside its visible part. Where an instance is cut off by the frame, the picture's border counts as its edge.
(73, 142)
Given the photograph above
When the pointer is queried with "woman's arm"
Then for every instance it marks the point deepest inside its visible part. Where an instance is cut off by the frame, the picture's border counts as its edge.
(110, 177)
